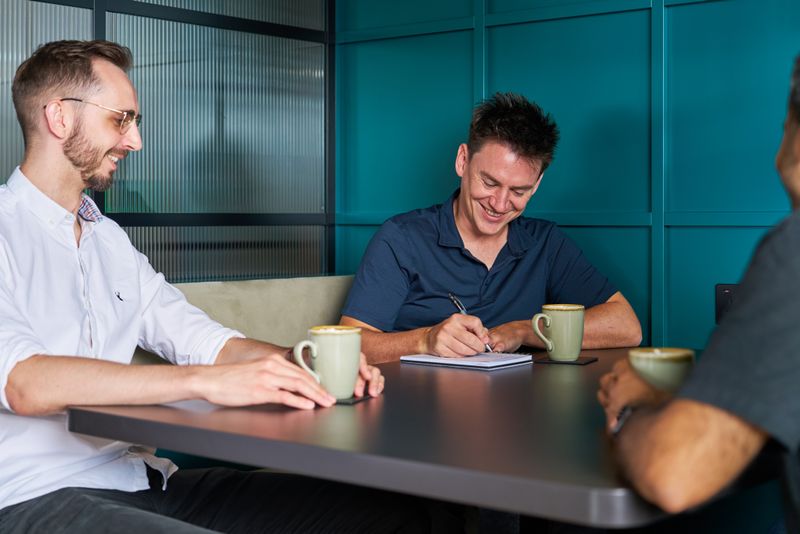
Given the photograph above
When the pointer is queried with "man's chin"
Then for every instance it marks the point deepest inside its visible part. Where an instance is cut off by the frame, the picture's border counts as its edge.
(99, 183)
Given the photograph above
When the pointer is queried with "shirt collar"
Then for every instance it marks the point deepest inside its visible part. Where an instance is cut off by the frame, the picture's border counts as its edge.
(448, 232)
(44, 207)
(518, 242)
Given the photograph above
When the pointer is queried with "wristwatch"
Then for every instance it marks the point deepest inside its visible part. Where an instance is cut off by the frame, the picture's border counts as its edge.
(622, 418)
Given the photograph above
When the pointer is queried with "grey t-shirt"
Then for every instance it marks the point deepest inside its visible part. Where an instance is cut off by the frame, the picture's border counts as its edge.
(751, 366)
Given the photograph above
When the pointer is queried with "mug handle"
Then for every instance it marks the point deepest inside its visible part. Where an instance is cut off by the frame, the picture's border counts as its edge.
(298, 356)
(548, 344)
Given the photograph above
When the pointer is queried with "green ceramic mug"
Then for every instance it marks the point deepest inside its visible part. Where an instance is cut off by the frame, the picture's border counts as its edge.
(335, 355)
(563, 330)
(664, 368)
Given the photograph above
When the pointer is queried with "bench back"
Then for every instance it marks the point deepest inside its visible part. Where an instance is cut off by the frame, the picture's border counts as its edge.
(277, 310)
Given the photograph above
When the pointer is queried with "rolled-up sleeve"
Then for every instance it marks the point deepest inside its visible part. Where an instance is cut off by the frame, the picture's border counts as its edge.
(17, 340)
(173, 328)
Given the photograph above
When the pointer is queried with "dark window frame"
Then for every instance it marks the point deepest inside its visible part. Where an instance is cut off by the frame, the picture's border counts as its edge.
(326, 37)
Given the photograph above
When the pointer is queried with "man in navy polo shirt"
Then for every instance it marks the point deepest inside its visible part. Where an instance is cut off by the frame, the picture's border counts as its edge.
(501, 266)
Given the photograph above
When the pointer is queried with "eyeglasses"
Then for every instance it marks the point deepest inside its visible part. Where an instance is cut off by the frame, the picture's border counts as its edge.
(127, 117)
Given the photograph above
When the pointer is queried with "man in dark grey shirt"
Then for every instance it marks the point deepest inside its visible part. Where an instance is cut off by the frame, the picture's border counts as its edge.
(744, 391)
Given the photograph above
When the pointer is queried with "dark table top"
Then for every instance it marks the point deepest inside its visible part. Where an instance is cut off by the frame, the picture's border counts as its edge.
(526, 439)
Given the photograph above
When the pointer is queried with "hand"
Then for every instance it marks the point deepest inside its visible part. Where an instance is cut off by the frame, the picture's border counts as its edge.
(457, 336)
(268, 379)
(508, 337)
(623, 387)
(371, 376)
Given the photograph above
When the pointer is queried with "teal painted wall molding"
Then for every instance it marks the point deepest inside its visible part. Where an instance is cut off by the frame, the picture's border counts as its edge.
(566, 10)
(658, 290)
(756, 219)
(670, 112)
(408, 30)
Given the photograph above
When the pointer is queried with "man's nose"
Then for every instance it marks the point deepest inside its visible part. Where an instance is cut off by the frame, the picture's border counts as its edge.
(499, 201)
(133, 138)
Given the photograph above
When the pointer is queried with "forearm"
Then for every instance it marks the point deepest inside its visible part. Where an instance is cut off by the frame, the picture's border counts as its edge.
(683, 454)
(242, 349)
(381, 347)
(611, 324)
(44, 385)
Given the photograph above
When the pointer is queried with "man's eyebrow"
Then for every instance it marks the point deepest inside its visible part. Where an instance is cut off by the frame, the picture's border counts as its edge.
(488, 177)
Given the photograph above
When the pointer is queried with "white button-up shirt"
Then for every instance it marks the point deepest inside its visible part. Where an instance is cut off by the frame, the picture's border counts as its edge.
(96, 300)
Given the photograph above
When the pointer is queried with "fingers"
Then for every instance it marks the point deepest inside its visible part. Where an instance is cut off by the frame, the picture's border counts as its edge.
(458, 348)
(362, 377)
(297, 386)
(475, 326)
(457, 336)
(290, 378)
(369, 375)
(606, 380)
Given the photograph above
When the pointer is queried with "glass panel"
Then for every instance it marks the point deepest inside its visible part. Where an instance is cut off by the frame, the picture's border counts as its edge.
(302, 13)
(233, 122)
(24, 26)
(197, 253)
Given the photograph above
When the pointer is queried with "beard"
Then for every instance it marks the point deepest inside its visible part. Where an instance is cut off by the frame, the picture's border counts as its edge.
(87, 159)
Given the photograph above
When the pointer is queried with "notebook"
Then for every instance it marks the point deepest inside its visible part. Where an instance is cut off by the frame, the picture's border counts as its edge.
(485, 360)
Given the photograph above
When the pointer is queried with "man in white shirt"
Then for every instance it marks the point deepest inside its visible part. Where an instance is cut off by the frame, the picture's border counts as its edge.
(75, 300)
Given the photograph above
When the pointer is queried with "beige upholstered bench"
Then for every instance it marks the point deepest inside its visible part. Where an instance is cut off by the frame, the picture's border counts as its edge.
(276, 310)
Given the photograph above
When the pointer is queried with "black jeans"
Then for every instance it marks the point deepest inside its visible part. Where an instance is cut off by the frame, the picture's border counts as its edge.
(226, 500)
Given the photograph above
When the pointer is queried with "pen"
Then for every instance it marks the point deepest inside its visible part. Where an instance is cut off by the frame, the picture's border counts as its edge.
(454, 299)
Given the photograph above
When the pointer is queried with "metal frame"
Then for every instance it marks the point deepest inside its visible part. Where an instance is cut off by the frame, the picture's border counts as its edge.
(100, 8)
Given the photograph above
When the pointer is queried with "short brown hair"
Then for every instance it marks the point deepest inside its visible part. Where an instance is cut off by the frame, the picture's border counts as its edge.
(60, 69)
(514, 121)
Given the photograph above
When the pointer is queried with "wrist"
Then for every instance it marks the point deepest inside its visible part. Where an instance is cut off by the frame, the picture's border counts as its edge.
(423, 344)
(197, 381)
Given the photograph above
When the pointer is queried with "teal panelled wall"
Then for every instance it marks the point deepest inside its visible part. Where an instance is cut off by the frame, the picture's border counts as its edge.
(398, 137)
(670, 113)
(699, 258)
(596, 84)
(727, 91)
(621, 254)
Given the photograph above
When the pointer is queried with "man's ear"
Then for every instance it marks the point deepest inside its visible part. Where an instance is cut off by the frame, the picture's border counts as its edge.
(537, 184)
(462, 157)
(58, 120)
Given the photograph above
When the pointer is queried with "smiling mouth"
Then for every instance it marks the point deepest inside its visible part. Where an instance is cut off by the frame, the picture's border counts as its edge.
(492, 213)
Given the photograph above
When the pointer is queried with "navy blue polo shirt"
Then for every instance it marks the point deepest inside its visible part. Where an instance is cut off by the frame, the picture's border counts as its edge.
(417, 258)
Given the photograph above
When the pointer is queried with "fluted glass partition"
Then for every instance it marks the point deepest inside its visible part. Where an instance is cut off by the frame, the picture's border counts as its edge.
(188, 254)
(302, 13)
(233, 122)
(233, 180)
(24, 25)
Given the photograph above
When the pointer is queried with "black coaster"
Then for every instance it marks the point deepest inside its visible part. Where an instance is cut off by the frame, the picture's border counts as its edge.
(353, 400)
(582, 360)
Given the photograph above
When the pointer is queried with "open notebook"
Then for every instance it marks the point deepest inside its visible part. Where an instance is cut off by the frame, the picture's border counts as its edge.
(484, 360)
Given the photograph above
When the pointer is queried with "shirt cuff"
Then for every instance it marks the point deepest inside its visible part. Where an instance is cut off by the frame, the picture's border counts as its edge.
(208, 350)
(19, 352)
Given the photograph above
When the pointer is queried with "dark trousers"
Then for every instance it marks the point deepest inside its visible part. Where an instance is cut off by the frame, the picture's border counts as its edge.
(226, 500)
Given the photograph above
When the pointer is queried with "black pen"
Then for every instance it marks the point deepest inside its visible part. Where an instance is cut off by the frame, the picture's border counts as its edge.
(463, 310)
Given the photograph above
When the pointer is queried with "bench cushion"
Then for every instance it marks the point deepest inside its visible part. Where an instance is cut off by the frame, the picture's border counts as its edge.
(277, 310)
